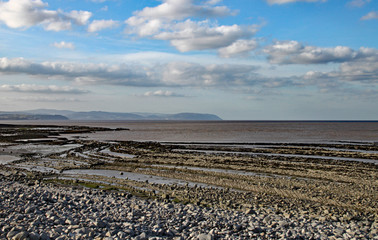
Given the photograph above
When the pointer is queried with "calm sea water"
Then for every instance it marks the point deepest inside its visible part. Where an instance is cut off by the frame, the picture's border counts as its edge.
(229, 131)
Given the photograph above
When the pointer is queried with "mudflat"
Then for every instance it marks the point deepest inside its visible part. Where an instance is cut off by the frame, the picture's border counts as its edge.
(54, 187)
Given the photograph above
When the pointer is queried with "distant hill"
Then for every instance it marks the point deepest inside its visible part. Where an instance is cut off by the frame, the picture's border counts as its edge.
(31, 117)
(52, 114)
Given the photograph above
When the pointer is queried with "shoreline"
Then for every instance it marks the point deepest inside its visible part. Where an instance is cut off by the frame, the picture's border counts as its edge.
(269, 196)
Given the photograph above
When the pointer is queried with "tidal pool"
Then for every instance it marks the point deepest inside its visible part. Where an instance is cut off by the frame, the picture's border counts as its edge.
(217, 170)
(43, 149)
(134, 177)
(5, 159)
(279, 155)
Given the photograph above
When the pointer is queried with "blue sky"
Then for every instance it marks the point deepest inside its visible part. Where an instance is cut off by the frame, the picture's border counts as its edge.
(241, 60)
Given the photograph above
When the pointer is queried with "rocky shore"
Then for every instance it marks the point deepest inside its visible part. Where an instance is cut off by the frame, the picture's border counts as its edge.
(30, 209)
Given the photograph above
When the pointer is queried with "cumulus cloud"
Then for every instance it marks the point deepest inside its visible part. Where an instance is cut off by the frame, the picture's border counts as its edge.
(359, 71)
(291, 1)
(370, 16)
(51, 89)
(188, 36)
(162, 93)
(62, 44)
(28, 13)
(98, 25)
(293, 52)
(240, 47)
(170, 21)
(181, 9)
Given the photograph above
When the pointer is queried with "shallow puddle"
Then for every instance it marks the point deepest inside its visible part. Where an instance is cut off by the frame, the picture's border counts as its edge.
(43, 149)
(134, 177)
(217, 170)
(5, 159)
(37, 168)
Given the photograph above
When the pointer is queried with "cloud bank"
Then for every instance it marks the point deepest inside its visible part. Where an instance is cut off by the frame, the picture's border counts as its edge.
(360, 68)
(170, 74)
(32, 88)
(293, 52)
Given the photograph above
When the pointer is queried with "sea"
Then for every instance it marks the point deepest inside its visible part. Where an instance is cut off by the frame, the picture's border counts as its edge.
(228, 131)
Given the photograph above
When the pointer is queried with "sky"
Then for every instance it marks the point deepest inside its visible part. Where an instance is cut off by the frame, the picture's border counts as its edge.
(238, 59)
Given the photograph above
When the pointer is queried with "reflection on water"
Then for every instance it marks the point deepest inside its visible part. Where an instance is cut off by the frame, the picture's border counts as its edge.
(216, 170)
(42, 148)
(132, 176)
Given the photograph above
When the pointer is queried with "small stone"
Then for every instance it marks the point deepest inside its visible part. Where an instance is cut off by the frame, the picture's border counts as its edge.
(249, 211)
(21, 236)
(143, 236)
(122, 235)
(34, 236)
(100, 224)
(12, 233)
(44, 236)
(205, 237)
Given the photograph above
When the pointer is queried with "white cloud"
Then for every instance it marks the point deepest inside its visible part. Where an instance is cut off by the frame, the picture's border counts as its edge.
(28, 13)
(181, 9)
(68, 45)
(293, 52)
(358, 3)
(98, 25)
(364, 70)
(170, 21)
(58, 26)
(162, 93)
(238, 48)
(370, 16)
(291, 1)
(188, 36)
(80, 17)
(51, 89)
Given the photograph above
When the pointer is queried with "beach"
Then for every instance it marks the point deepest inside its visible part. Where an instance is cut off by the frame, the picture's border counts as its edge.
(76, 182)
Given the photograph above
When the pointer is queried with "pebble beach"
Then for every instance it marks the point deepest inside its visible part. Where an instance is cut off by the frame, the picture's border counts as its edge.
(42, 211)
